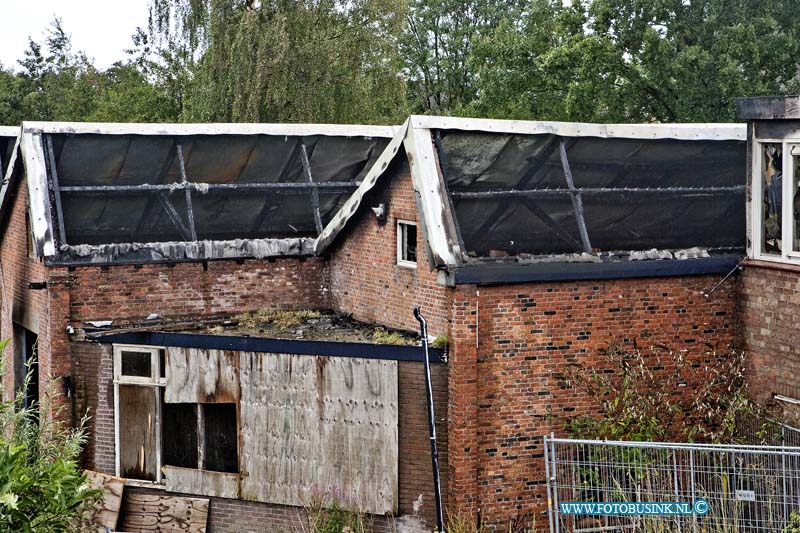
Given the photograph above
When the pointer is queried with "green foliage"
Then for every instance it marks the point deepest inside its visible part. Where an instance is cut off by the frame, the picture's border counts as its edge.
(330, 511)
(663, 396)
(42, 488)
(281, 61)
(794, 523)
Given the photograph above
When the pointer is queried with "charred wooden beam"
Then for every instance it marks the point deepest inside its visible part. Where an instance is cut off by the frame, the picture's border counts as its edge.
(577, 201)
(314, 191)
(555, 193)
(548, 221)
(151, 202)
(232, 187)
(187, 191)
(51, 158)
(173, 215)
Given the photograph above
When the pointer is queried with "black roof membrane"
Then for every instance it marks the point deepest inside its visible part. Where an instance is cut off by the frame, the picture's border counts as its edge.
(618, 219)
(114, 216)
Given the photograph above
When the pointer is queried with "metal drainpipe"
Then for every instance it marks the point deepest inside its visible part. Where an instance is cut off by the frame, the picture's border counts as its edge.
(431, 423)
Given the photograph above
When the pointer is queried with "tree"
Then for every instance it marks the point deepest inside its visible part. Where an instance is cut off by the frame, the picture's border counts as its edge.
(635, 60)
(286, 61)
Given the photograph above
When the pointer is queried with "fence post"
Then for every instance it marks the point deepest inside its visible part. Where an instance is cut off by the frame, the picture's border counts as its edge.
(556, 510)
(549, 489)
(691, 486)
(679, 520)
(783, 474)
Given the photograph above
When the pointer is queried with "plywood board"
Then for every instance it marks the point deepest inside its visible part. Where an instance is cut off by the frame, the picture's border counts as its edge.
(137, 431)
(106, 512)
(145, 513)
(310, 424)
(201, 376)
(205, 482)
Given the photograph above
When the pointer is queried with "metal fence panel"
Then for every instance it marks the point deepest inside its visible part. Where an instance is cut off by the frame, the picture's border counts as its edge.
(749, 488)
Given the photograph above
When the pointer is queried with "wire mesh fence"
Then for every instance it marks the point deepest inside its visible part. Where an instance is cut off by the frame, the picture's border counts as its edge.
(748, 488)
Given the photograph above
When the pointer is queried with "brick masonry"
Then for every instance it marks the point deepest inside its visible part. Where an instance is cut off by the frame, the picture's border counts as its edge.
(504, 388)
(508, 344)
(769, 307)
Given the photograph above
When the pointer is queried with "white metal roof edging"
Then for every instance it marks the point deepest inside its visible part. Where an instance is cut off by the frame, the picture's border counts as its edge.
(691, 132)
(38, 194)
(9, 131)
(351, 205)
(430, 196)
(103, 128)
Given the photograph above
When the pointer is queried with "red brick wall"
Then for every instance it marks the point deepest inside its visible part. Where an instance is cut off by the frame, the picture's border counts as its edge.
(366, 280)
(501, 393)
(93, 377)
(20, 304)
(769, 310)
(187, 289)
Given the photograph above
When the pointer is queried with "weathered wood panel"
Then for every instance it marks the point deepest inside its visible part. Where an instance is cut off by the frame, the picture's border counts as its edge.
(106, 512)
(137, 431)
(310, 424)
(201, 376)
(205, 482)
(150, 512)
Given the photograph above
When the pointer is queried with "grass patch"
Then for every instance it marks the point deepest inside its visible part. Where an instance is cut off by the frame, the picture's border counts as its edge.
(382, 336)
(280, 319)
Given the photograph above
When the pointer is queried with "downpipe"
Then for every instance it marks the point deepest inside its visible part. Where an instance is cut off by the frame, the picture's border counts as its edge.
(431, 422)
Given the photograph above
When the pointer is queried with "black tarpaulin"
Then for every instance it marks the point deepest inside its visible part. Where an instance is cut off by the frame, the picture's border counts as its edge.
(223, 173)
(510, 193)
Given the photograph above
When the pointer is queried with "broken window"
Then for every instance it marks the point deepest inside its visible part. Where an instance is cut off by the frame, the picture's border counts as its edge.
(201, 436)
(406, 243)
(771, 194)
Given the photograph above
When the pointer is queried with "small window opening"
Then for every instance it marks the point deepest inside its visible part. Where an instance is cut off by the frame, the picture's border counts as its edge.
(406, 243)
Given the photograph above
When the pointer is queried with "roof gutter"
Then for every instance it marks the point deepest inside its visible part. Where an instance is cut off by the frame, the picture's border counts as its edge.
(506, 273)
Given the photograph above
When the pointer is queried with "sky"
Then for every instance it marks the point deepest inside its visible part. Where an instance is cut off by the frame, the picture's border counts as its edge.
(101, 28)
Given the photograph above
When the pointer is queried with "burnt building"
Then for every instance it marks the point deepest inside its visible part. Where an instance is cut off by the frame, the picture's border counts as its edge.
(232, 304)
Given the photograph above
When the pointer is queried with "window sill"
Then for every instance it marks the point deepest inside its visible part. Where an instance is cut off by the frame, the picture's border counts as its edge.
(407, 264)
(773, 264)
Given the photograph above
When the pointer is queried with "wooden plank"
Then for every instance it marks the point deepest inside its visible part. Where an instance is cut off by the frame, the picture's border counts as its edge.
(205, 482)
(153, 512)
(311, 422)
(201, 376)
(106, 513)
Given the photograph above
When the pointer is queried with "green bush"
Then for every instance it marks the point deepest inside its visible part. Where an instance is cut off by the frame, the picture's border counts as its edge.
(42, 487)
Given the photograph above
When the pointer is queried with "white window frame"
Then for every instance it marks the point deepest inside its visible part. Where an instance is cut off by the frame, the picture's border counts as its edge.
(788, 254)
(155, 381)
(402, 237)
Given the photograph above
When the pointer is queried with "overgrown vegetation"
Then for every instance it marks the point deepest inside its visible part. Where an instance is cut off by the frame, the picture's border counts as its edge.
(331, 511)
(42, 488)
(663, 395)
(281, 319)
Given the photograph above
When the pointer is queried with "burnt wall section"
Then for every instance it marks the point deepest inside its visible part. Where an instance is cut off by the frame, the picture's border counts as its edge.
(511, 389)
(364, 277)
(769, 306)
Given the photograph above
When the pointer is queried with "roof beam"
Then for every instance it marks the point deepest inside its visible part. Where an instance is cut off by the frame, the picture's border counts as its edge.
(542, 215)
(187, 191)
(151, 202)
(173, 215)
(693, 192)
(314, 191)
(51, 160)
(577, 201)
(145, 187)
